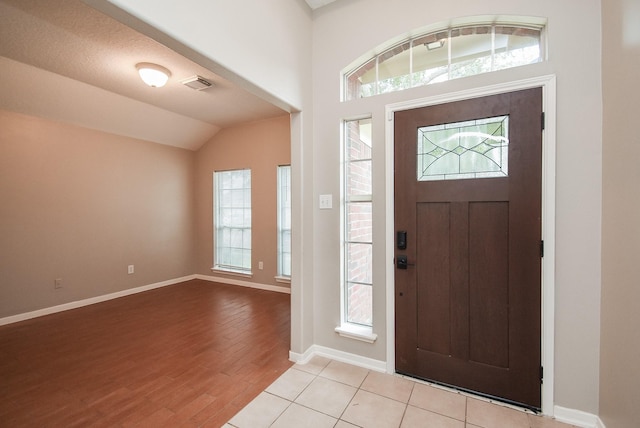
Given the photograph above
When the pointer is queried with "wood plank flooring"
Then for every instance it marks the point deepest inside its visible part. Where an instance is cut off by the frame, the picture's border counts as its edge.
(191, 354)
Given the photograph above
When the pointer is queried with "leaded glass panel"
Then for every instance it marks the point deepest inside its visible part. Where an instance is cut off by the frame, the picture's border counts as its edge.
(461, 150)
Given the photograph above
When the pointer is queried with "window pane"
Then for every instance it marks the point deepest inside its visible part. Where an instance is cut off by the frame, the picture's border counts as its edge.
(471, 49)
(236, 238)
(430, 57)
(359, 302)
(359, 222)
(237, 198)
(472, 149)
(286, 264)
(360, 263)
(359, 145)
(358, 139)
(361, 82)
(516, 46)
(359, 178)
(394, 72)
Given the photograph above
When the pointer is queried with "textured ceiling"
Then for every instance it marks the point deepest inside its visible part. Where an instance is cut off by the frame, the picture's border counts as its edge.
(61, 57)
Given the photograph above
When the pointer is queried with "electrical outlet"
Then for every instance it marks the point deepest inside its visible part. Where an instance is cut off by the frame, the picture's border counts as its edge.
(57, 283)
(130, 269)
(260, 265)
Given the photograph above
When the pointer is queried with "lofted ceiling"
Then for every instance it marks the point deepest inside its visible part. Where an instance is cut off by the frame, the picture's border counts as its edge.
(63, 60)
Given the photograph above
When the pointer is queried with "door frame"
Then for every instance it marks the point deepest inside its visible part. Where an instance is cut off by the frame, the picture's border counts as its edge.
(548, 85)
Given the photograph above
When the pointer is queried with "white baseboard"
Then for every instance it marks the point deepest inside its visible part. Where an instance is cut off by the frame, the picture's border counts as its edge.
(90, 301)
(334, 354)
(577, 418)
(241, 283)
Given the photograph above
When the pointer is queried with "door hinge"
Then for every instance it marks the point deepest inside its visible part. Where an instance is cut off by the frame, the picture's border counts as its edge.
(542, 121)
(541, 374)
(541, 248)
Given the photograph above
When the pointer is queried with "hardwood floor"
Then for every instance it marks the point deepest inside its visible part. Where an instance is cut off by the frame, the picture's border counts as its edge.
(191, 354)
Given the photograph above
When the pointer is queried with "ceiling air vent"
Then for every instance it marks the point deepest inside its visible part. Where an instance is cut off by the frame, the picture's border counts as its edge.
(197, 82)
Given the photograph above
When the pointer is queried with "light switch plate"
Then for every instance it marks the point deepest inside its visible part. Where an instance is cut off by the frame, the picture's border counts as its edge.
(326, 202)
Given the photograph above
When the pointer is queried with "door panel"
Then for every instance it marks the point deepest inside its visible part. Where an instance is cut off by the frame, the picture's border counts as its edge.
(468, 304)
(489, 283)
(433, 262)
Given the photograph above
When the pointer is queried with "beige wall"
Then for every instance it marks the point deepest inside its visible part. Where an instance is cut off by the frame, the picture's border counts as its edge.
(81, 205)
(260, 146)
(620, 351)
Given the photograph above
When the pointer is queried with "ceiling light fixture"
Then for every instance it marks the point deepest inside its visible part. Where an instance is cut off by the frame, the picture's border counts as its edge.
(153, 75)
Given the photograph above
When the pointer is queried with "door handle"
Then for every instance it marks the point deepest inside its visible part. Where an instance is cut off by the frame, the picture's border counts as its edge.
(403, 263)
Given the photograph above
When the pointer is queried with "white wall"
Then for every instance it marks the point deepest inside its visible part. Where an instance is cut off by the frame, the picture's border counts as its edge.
(346, 30)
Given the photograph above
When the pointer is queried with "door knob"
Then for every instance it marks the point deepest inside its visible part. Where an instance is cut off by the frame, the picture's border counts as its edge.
(402, 262)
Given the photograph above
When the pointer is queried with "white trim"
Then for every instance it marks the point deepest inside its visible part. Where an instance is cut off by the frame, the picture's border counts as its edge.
(233, 272)
(549, 238)
(334, 354)
(98, 299)
(351, 331)
(548, 84)
(92, 300)
(248, 284)
(283, 279)
(577, 418)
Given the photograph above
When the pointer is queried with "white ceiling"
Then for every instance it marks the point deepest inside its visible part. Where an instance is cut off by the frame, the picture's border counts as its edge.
(63, 60)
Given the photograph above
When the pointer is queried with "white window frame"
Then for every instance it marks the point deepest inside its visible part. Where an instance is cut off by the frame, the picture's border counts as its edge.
(388, 51)
(243, 226)
(284, 222)
(349, 329)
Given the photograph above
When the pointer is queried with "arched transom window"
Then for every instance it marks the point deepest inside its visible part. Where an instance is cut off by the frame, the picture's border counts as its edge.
(446, 54)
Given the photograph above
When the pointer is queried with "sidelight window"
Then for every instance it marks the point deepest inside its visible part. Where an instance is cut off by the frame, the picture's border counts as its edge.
(358, 223)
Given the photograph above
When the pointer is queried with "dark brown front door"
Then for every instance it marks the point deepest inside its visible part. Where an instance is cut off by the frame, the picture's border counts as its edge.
(468, 280)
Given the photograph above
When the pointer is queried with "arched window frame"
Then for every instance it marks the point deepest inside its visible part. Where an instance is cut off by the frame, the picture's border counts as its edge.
(438, 37)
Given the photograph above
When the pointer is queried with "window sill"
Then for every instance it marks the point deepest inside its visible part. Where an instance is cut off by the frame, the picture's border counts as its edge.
(283, 279)
(364, 334)
(232, 272)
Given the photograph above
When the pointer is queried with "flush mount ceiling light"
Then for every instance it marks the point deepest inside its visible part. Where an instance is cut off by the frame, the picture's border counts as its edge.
(153, 75)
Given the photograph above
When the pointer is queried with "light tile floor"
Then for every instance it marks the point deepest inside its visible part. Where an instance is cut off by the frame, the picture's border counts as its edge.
(329, 394)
